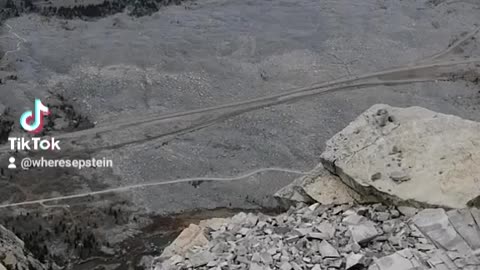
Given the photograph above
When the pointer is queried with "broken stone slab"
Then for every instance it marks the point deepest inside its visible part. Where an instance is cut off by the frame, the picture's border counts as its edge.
(463, 222)
(354, 260)
(319, 186)
(303, 231)
(266, 258)
(213, 223)
(327, 229)
(286, 266)
(318, 236)
(188, 238)
(294, 192)
(440, 261)
(435, 224)
(408, 156)
(476, 215)
(201, 258)
(401, 260)
(364, 232)
(407, 211)
(239, 218)
(354, 219)
(327, 250)
(255, 266)
(176, 259)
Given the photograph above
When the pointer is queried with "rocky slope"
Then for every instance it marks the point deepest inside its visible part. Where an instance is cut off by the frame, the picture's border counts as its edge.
(13, 254)
(332, 227)
(375, 237)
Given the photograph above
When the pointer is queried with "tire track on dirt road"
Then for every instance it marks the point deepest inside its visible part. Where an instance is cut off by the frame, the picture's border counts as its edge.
(19, 43)
(390, 72)
(427, 63)
(401, 75)
(224, 116)
(155, 183)
(452, 47)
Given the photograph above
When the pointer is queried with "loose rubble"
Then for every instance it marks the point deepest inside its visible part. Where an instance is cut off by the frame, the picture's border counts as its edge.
(351, 237)
(386, 155)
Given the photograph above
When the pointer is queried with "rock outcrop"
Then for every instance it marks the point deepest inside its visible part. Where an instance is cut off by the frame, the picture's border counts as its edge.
(410, 156)
(13, 254)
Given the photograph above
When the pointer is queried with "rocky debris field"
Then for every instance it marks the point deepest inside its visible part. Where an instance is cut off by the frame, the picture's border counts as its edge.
(374, 237)
(355, 210)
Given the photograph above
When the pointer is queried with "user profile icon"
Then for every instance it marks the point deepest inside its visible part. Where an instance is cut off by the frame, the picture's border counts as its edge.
(12, 163)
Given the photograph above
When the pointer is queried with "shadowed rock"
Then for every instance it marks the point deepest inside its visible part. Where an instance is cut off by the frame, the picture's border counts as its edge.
(13, 253)
(319, 186)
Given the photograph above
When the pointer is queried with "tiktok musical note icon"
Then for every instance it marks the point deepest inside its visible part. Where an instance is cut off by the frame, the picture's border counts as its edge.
(32, 121)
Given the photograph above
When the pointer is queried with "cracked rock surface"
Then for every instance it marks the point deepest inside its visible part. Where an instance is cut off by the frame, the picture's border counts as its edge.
(412, 155)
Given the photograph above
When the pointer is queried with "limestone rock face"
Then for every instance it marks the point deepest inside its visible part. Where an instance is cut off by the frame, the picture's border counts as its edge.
(13, 254)
(410, 155)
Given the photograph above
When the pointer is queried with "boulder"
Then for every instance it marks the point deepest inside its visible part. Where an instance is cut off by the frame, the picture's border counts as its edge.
(436, 225)
(192, 236)
(401, 260)
(327, 250)
(213, 223)
(465, 225)
(200, 258)
(410, 156)
(363, 233)
(354, 261)
(318, 186)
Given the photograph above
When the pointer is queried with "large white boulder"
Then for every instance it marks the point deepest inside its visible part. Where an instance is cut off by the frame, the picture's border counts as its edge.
(409, 155)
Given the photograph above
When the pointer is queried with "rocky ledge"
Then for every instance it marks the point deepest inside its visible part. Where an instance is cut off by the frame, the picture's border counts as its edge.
(409, 156)
(376, 202)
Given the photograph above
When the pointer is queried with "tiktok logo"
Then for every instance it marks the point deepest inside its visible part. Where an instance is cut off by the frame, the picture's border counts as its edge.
(32, 121)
